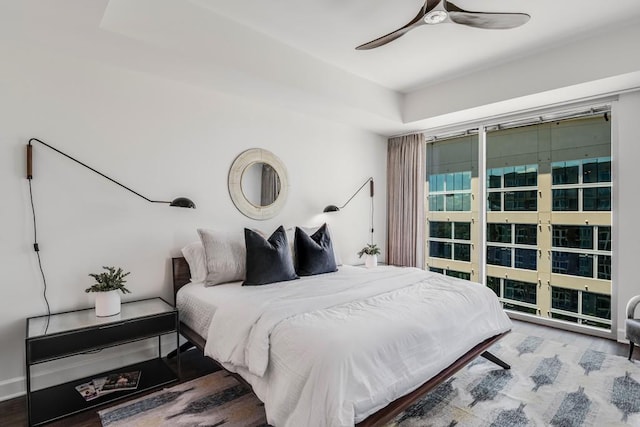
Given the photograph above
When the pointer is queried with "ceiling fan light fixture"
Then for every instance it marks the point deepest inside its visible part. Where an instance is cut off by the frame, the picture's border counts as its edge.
(438, 11)
(435, 17)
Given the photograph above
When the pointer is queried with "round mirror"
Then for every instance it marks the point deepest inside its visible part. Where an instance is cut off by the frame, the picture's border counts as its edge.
(258, 183)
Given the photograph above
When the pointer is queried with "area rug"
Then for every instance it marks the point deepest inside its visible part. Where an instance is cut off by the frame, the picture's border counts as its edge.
(549, 384)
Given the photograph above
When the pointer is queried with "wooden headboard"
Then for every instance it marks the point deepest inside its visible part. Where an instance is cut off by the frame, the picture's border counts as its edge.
(182, 276)
(181, 273)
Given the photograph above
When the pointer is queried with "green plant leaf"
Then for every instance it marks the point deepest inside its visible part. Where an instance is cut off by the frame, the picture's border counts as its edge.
(111, 280)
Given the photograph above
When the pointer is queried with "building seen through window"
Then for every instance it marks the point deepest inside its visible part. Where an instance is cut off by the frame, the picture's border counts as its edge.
(547, 225)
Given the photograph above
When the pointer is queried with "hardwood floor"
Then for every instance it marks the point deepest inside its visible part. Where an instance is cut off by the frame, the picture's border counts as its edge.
(14, 412)
(194, 364)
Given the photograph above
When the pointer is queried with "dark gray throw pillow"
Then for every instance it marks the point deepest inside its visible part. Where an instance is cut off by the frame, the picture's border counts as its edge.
(314, 254)
(268, 260)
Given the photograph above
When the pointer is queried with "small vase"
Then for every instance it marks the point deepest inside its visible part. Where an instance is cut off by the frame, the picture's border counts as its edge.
(370, 261)
(107, 303)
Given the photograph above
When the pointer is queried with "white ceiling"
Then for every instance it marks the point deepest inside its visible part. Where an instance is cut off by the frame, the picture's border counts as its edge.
(329, 30)
(300, 54)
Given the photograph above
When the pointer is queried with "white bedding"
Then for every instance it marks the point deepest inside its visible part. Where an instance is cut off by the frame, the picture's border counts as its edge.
(332, 349)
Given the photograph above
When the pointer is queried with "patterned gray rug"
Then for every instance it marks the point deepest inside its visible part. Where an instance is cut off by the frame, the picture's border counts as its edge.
(549, 384)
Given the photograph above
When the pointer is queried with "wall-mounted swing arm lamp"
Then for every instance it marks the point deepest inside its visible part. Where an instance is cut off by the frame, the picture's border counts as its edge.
(334, 208)
(181, 202)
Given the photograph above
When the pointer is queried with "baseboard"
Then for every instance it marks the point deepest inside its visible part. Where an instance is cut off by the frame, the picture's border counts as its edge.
(11, 388)
(80, 366)
(622, 336)
(553, 323)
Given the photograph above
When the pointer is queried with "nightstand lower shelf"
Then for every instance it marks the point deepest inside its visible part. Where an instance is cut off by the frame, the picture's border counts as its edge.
(61, 400)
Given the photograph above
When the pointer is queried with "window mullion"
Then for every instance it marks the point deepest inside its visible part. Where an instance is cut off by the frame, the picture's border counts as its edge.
(482, 207)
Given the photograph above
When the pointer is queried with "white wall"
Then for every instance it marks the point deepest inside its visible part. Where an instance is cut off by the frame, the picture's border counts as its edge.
(540, 78)
(164, 139)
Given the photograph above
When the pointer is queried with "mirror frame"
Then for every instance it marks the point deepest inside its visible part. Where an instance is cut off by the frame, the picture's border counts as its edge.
(246, 159)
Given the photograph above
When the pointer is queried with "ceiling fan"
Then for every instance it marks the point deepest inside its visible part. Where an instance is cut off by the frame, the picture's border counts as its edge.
(438, 11)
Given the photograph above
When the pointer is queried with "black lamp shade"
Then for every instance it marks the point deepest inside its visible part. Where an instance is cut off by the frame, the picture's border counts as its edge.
(183, 202)
(331, 208)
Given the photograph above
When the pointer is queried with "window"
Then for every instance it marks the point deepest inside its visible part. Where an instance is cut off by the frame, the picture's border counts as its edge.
(451, 273)
(500, 233)
(499, 256)
(572, 236)
(450, 192)
(582, 185)
(515, 295)
(517, 179)
(451, 176)
(576, 306)
(548, 217)
(450, 240)
(586, 251)
(604, 238)
(512, 245)
(573, 264)
(548, 192)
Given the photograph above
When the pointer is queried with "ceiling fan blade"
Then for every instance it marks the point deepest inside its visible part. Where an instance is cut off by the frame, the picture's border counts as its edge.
(428, 6)
(494, 21)
(486, 20)
(385, 39)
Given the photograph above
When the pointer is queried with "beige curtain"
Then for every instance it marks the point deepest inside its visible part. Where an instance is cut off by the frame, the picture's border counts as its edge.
(405, 200)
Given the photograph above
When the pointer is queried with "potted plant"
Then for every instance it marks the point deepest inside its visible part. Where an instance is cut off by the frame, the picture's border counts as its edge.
(371, 252)
(106, 287)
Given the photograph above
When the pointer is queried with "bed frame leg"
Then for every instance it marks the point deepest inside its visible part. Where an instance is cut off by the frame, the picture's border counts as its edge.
(491, 358)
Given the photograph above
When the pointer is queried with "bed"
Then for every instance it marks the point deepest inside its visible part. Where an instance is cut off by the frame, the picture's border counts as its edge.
(305, 361)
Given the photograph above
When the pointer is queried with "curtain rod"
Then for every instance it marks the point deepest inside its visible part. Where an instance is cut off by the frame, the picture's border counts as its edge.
(527, 112)
(552, 117)
(529, 121)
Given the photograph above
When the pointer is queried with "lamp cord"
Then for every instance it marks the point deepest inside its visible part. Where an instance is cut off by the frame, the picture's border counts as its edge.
(372, 220)
(37, 250)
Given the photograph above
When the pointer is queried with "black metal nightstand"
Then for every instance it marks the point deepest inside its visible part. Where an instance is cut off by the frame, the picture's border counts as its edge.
(77, 332)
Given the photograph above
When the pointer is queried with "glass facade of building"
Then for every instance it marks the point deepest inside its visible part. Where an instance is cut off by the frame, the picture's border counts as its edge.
(582, 185)
(450, 240)
(548, 192)
(512, 245)
(450, 192)
(452, 208)
(515, 295)
(451, 273)
(512, 188)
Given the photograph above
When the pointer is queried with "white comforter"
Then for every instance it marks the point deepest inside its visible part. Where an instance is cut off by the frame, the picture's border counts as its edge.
(332, 349)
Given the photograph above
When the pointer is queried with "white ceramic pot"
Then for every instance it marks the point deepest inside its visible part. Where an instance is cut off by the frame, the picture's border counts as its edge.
(107, 303)
(370, 261)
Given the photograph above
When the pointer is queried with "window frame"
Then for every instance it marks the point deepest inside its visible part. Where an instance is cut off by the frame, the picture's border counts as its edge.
(449, 193)
(594, 251)
(503, 190)
(513, 246)
(452, 240)
(581, 186)
(579, 315)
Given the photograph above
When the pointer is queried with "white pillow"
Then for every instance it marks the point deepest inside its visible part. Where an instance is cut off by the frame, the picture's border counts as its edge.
(225, 256)
(310, 231)
(194, 254)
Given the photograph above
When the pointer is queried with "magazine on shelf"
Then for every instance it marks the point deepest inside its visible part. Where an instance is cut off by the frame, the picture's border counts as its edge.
(98, 383)
(104, 385)
(87, 390)
(122, 381)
